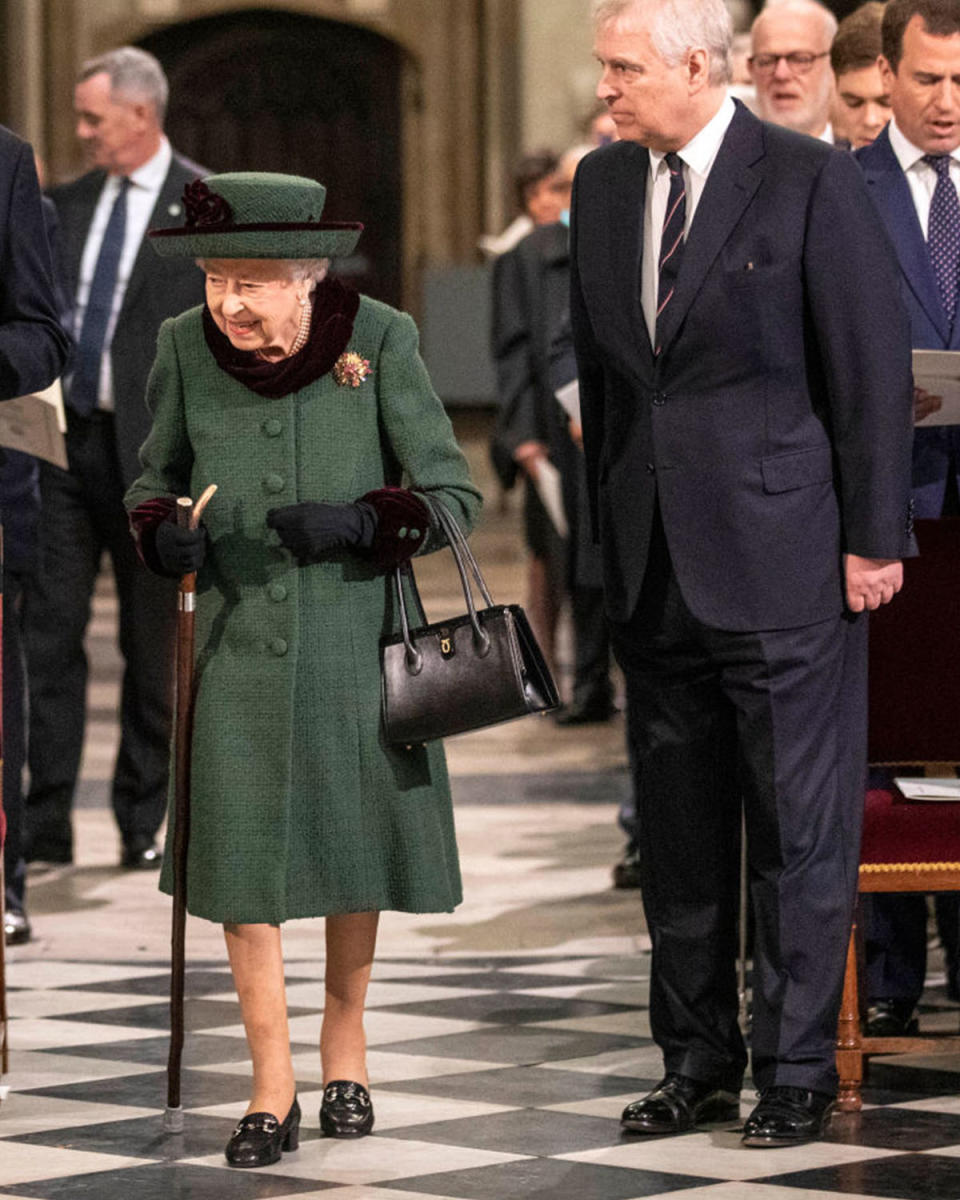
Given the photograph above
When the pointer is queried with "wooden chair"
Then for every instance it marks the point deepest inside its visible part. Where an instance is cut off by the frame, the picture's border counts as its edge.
(914, 718)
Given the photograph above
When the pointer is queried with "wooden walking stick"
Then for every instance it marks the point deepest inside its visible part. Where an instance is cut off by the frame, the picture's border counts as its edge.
(188, 517)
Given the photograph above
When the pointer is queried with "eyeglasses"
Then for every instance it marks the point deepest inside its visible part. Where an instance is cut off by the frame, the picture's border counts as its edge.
(799, 61)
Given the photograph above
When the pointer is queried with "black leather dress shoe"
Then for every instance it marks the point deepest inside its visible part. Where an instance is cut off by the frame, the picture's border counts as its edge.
(679, 1103)
(346, 1110)
(592, 711)
(626, 873)
(891, 1018)
(259, 1138)
(141, 854)
(787, 1116)
(16, 927)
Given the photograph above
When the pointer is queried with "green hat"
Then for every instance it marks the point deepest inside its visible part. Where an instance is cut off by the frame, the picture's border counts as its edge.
(256, 214)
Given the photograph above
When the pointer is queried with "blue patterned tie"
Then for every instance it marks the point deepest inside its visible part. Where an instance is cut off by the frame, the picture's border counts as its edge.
(85, 388)
(943, 235)
(671, 240)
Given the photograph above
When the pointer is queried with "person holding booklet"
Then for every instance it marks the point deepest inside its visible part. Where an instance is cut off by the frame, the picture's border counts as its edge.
(912, 171)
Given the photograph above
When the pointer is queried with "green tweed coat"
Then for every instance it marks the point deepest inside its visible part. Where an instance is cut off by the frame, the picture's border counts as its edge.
(298, 807)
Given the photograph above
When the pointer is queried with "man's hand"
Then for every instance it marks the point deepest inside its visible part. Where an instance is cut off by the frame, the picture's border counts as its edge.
(528, 456)
(924, 404)
(871, 581)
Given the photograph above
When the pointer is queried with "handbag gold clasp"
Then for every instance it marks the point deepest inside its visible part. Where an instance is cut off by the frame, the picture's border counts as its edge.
(446, 644)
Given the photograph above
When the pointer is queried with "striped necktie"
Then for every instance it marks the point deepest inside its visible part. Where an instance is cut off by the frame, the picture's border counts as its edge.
(943, 235)
(671, 240)
(85, 387)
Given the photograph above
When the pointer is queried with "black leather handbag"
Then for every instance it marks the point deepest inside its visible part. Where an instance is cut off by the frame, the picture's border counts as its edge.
(474, 670)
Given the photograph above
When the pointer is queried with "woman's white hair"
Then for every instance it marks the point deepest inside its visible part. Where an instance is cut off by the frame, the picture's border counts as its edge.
(679, 26)
(299, 270)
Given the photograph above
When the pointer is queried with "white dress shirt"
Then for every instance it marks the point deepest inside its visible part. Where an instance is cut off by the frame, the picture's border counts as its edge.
(698, 156)
(145, 185)
(921, 177)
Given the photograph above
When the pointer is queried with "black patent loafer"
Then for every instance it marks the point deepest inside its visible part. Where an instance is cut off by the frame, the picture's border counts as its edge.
(787, 1116)
(679, 1103)
(347, 1110)
(260, 1139)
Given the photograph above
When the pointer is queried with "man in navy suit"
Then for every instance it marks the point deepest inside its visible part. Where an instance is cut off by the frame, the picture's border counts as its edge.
(920, 66)
(113, 276)
(747, 419)
(33, 352)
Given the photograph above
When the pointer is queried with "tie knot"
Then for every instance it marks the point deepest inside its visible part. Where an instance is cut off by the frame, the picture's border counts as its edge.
(674, 163)
(940, 163)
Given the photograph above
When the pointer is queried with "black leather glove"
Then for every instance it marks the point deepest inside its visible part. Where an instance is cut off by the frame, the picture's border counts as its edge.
(180, 551)
(310, 530)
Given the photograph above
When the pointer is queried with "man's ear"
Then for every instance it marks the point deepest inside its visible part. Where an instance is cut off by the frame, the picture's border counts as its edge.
(698, 71)
(887, 73)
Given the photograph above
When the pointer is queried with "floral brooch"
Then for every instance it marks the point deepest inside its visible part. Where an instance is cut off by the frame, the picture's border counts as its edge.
(350, 370)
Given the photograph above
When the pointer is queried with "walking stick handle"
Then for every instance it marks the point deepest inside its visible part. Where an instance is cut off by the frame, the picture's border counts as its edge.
(188, 513)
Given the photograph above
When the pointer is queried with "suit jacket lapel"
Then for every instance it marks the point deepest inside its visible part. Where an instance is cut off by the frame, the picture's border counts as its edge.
(627, 197)
(891, 193)
(729, 188)
(171, 195)
(76, 227)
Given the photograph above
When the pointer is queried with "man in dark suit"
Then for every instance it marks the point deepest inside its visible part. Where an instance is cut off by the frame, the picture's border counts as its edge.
(121, 292)
(746, 413)
(33, 352)
(912, 171)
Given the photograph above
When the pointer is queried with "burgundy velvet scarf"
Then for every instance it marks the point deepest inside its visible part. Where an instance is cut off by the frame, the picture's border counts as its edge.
(334, 309)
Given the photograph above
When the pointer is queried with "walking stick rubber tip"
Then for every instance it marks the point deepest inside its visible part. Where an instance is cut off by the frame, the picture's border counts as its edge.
(173, 1120)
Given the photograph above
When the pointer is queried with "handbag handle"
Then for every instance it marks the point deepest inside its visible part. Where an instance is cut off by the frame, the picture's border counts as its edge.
(463, 557)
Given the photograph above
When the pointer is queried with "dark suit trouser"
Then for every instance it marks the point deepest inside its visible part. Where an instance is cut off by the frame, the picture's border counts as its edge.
(82, 516)
(896, 943)
(14, 867)
(777, 718)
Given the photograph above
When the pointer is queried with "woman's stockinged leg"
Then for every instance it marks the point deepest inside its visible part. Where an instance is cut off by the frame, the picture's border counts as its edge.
(256, 959)
(351, 941)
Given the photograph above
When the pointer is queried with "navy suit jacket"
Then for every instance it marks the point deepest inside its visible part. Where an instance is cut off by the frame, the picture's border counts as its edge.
(158, 288)
(929, 327)
(774, 429)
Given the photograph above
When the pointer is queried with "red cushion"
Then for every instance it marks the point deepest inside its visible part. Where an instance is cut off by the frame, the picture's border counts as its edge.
(896, 830)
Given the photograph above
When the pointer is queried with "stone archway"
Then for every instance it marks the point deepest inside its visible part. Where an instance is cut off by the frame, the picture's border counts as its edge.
(269, 90)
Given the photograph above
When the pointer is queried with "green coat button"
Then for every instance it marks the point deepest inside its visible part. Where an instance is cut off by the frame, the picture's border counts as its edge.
(273, 427)
(273, 483)
(414, 533)
(277, 591)
(278, 647)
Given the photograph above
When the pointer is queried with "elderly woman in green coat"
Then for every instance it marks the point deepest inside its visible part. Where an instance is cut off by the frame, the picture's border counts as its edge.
(310, 408)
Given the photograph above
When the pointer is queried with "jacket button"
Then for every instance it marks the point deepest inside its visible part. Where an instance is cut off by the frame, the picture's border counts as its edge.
(277, 592)
(278, 646)
(273, 483)
(272, 427)
(651, 469)
(414, 533)
(659, 398)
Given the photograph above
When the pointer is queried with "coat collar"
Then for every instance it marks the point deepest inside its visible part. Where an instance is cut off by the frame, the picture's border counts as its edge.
(888, 186)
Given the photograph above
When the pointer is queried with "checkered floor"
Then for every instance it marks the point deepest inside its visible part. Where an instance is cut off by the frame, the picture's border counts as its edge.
(492, 1079)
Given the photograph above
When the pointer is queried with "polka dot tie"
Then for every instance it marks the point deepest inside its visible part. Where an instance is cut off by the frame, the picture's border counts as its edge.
(671, 240)
(943, 236)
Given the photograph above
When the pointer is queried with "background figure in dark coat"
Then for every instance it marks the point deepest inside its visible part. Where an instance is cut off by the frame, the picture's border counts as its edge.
(747, 419)
(121, 294)
(33, 351)
(900, 168)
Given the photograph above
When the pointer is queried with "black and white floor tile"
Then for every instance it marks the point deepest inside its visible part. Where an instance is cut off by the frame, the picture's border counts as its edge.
(493, 1078)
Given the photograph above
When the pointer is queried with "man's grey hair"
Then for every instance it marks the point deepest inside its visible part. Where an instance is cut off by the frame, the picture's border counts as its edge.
(134, 74)
(830, 22)
(679, 26)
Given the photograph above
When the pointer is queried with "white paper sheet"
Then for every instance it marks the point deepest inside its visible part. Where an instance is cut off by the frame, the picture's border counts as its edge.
(569, 397)
(547, 483)
(36, 424)
(929, 789)
(938, 372)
